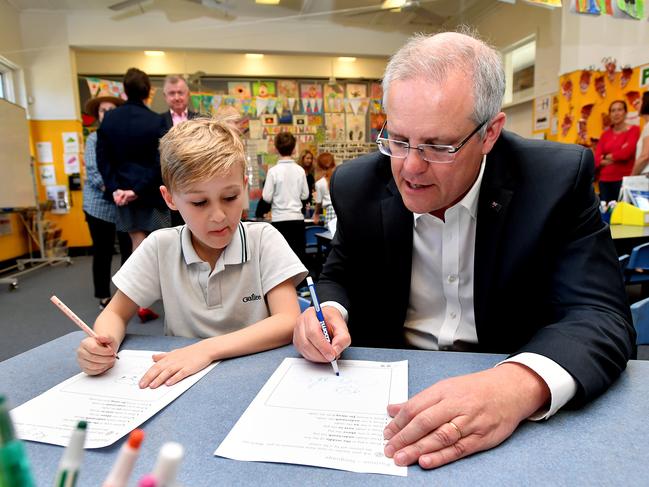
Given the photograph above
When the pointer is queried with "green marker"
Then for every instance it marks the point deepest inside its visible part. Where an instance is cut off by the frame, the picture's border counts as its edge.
(71, 460)
(14, 466)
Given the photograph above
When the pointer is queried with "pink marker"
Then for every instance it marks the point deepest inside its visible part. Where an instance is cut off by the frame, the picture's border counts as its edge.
(75, 319)
(118, 476)
(147, 481)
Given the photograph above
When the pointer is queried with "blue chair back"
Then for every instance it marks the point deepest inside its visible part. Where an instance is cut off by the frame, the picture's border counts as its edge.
(640, 313)
(624, 262)
(310, 232)
(304, 303)
(637, 268)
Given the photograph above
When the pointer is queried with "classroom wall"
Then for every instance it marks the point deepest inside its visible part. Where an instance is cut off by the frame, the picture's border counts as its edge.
(228, 64)
(586, 39)
(519, 118)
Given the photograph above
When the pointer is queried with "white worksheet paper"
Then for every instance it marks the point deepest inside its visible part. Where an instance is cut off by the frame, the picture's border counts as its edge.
(307, 415)
(111, 403)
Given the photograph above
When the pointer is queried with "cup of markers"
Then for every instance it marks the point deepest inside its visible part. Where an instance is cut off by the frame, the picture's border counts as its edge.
(14, 466)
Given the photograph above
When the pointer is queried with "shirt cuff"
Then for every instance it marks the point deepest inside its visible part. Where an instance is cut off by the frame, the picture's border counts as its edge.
(561, 384)
(338, 306)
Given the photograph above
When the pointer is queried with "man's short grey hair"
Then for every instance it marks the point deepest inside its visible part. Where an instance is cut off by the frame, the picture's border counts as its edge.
(434, 57)
(172, 79)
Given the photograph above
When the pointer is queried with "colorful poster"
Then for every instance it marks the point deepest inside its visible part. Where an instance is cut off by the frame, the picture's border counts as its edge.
(311, 94)
(354, 128)
(239, 89)
(335, 127)
(195, 100)
(376, 90)
(334, 98)
(376, 123)
(356, 90)
(287, 88)
(546, 3)
(104, 87)
(263, 89)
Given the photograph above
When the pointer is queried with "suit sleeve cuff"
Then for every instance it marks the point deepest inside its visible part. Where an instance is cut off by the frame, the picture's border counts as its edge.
(561, 384)
(338, 306)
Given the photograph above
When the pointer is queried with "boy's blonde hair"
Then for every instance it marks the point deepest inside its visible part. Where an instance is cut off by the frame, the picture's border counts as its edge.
(200, 149)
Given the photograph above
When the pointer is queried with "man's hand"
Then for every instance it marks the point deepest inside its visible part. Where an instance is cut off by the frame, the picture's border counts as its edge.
(310, 341)
(174, 366)
(463, 415)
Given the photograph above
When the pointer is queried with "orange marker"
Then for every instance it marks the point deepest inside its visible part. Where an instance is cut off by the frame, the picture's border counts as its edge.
(118, 476)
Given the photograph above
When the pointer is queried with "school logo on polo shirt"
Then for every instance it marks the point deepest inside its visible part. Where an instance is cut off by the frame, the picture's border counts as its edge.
(252, 297)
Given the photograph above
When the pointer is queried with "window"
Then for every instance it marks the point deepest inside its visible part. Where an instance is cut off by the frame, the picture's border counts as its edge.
(10, 80)
(519, 61)
(2, 85)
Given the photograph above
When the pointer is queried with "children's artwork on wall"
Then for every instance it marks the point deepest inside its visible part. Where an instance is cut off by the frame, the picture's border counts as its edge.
(625, 77)
(609, 66)
(355, 128)
(566, 124)
(314, 120)
(584, 80)
(285, 117)
(263, 89)
(216, 102)
(585, 7)
(311, 94)
(600, 86)
(195, 100)
(566, 88)
(104, 87)
(287, 88)
(269, 119)
(356, 90)
(376, 90)
(376, 105)
(632, 8)
(334, 98)
(206, 104)
(239, 89)
(335, 127)
(376, 122)
(300, 122)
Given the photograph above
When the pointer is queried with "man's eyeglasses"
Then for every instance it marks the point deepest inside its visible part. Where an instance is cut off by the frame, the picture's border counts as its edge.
(441, 154)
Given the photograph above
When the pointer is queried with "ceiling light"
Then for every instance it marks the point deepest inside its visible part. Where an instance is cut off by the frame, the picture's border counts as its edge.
(345, 59)
(267, 2)
(390, 4)
(254, 55)
(154, 53)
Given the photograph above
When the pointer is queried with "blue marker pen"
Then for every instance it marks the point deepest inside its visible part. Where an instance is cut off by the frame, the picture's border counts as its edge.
(318, 313)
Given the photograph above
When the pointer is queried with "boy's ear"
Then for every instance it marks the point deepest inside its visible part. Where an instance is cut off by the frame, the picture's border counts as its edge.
(166, 195)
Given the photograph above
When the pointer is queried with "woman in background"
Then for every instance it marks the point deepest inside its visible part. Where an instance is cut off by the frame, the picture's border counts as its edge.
(306, 162)
(642, 151)
(101, 215)
(615, 152)
(327, 164)
(129, 162)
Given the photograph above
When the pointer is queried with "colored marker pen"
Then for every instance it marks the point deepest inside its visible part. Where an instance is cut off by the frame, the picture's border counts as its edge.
(169, 458)
(147, 481)
(118, 476)
(14, 466)
(71, 460)
(318, 313)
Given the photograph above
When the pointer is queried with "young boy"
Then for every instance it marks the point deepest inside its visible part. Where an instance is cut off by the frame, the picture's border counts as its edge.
(285, 188)
(217, 276)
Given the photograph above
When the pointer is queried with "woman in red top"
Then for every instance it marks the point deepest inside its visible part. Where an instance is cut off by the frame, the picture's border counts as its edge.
(615, 153)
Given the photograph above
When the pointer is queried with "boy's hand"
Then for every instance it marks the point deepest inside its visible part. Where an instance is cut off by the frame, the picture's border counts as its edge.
(174, 366)
(96, 355)
(310, 341)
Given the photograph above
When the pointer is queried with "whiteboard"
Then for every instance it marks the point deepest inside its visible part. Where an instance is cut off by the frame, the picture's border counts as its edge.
(16, 186)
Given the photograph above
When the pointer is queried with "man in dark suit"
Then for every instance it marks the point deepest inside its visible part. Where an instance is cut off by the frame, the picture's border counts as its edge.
(463, 237)
(176, 92)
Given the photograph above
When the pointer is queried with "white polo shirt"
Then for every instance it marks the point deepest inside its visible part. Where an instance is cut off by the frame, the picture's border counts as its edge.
(285, 188)
(202, 303)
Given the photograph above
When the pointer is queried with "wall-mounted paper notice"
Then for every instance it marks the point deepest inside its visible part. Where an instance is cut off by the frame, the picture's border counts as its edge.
(70, 142)
(71, 163)
(44, 152)
(48, 174)
(307, 415)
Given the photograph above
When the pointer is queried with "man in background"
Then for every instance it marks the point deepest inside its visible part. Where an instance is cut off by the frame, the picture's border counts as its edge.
(176, 93)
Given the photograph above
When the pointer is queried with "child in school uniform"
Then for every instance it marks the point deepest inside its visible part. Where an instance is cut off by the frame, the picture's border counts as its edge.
(229, 282)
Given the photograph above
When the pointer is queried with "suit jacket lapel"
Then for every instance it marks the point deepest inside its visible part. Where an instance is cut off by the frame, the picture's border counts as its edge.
(397, 235)
(495, 195)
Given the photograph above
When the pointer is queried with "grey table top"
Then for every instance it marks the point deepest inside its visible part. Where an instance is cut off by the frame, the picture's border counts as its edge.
(605, 443)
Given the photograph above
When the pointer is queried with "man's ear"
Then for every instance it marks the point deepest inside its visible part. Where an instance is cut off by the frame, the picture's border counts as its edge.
(166, 195)
(493, 132)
